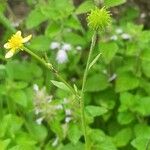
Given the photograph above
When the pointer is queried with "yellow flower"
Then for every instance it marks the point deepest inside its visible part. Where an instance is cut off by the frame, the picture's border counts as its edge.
(15, 43)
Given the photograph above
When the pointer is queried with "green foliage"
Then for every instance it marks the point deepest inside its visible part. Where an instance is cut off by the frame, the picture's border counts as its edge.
(112, 3)
(38, 112)
(97, 82)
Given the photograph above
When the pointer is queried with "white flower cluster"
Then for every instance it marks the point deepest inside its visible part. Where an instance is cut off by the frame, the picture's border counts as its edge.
(61, 56)
(44, 109)
(119, 32)
(62, 50)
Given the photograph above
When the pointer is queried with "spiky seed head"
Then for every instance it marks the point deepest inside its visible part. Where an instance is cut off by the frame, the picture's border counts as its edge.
(99, 19)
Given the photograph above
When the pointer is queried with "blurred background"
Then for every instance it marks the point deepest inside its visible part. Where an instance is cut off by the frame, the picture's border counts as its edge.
(36, 115)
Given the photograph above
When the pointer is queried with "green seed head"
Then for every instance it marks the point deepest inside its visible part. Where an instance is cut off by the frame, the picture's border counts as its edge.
(99, 19)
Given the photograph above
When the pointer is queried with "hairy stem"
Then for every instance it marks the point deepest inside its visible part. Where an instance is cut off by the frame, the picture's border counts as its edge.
(82, 103)
(50, 67)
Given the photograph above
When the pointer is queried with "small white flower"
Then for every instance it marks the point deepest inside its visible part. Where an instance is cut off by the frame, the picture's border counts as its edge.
(39, 120)
(143, 15)
(61, 56)
(66, 47)
(114, 37)
(16, 24)
(59, 107)
(54, 45)
(37, 111)
(65, 101)
(49, 98)
(79, 48)
(68, 112)
(119, 31)
(125, 36)
(68, 119)
(36, 87)
(55, 142)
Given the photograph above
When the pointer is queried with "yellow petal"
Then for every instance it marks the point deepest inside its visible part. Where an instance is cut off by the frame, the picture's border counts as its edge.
(7, 46)
(9, 54)
(26, 39)
(18, 33)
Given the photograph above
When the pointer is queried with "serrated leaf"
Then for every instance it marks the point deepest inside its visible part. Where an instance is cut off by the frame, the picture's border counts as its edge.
(36, 45)
(97, 82)
(142, 130)
(112, 3)
(108, 51)
(126, 81)
(94, 60)
(4, 144)
(143, 105)
(95, 110)
(85, 7)
(140, 143)
(123, 137)
(19, 96)
(34, 18)
(60, 85)
(74, 133)
(125, 117)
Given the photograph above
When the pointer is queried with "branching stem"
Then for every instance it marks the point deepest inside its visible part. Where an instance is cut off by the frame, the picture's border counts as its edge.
(82, 102)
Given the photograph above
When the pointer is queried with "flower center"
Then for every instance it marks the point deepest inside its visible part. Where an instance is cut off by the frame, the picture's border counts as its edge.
(16, 42)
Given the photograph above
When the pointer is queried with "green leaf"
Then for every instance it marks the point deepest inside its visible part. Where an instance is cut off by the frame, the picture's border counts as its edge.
(127, 101)
(74, 39)
(143, 105)
(56, 127)
(3, 6)
(108, 51)
(112, 3)
(25, 140)
(60, 85)
(145, 55)
(123, 137)
(85, 7)
(142, 130)
(19, 97)
(40, 43)
(125, 117)
(20, 85)
(126, 81)
(52, 29)
(95, 111)
(35, 18)
(94, 60)
(97, 82)
(78, 146)
(74, 133)
(39, 132)
(4, 144)
(55, 10)
(10, 125)
(142, 133)
(140, 143)
(24, 71)
(145, 68)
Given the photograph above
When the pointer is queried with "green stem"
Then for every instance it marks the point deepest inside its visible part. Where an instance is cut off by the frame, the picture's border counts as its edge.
(6, 23)
(50, 67)
(83, 89)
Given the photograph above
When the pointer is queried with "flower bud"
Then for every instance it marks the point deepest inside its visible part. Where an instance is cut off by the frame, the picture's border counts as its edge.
(99, 19)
